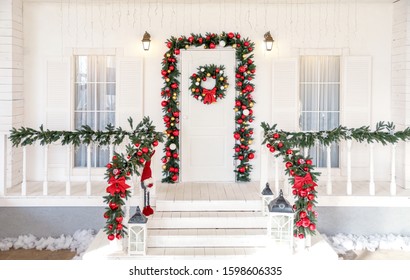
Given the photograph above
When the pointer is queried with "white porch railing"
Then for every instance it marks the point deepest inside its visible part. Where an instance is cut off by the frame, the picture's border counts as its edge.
(267, 158)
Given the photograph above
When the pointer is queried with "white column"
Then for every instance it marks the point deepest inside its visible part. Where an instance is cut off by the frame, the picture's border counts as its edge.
(276, 176)
(329, 171)
(349, 167)
(24, 181)
(3, 157)
(89, 169)
(45, 181)
(68, 182)
(372, 187)
(393, 185)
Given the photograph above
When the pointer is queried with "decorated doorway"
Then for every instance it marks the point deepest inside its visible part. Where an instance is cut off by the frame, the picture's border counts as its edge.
(243, 105)
(208, 121)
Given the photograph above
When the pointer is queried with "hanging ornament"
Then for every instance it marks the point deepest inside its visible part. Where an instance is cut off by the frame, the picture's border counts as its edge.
(173, 146)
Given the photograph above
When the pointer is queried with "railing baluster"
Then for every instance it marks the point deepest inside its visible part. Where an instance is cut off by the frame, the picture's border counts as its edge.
(264, 167)
(372, 186)
(3, 158)
(276, 176)
(45, 181)
(329, 170)
(111, 151)
(393, 186)
(89, 169)
(349, 167)
(68, 182)
(24, 181)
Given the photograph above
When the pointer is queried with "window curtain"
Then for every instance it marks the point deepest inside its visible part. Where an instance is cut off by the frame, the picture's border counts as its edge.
(320, 101)
(94, 103)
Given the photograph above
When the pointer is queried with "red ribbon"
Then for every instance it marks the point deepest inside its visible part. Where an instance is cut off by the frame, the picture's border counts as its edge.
(117, 184)
(209, 95)
(301, 181)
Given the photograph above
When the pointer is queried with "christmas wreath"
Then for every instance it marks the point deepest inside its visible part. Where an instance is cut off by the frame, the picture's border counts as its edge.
(209, 96)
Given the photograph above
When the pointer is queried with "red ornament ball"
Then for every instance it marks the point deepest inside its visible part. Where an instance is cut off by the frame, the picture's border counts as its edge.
(119, 219)
(175, 114)
(280, 145)
(289, 152)
(174, 178)
(301, 235)
(118, 236)
(251, 156)
(309, 162)
(288, 164)
(177, 51)
(236, 136)
(312, 227)
(311, 196)
(302, 214)
(164, 103)
(155, 143)
(111, 237)
(120, 227)
(276, 136)
(106, 215)
(237, 149)
(241, 169)
(305, 223)
(113, 205)
(109, 166)
(145, 150)
(272, 149)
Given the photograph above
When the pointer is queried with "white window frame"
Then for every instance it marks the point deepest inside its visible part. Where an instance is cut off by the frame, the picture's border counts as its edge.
(97, 173)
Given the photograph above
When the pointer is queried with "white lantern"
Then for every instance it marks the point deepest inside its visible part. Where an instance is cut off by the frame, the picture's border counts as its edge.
(267, 196)
(137, 234)
(280, 225)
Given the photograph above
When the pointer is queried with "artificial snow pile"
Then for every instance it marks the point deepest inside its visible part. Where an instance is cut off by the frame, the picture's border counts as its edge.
(78, 243)
(351, 242)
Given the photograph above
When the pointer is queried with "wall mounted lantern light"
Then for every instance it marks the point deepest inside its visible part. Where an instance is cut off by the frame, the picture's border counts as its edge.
(268, 41)
(146, 40)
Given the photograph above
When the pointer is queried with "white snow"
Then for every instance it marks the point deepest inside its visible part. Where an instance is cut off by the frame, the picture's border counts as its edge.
(346, 242)
(79, 242)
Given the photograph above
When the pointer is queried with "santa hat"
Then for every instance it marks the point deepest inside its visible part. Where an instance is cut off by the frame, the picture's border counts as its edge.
(146, 176)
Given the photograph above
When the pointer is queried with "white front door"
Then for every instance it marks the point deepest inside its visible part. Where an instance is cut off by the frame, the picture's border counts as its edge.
(207, 130)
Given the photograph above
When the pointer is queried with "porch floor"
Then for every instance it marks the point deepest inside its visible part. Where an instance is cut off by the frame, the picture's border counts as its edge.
(203, 191)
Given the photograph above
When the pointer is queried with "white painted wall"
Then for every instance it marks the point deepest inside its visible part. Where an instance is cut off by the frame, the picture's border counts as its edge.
(53, 30)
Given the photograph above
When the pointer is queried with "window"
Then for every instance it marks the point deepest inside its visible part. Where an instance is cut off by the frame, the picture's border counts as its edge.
(95, 81)
(320, 101)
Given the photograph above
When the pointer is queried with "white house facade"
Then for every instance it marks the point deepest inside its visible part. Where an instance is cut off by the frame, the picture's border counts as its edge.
(73, 62)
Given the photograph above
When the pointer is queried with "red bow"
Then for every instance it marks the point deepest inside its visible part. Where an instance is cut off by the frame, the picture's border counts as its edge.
(209, 95)
(117, 185)
(301, 181)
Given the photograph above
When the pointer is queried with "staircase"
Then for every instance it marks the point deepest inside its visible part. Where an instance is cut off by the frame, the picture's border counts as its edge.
(206, 222)
(205, 229)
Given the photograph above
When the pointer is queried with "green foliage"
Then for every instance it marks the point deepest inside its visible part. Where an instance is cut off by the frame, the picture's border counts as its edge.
(285, 144)
(85, 135)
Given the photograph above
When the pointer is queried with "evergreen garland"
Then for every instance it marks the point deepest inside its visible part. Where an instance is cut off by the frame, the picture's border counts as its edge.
(300, 169)
(244, 74)
(143, 140)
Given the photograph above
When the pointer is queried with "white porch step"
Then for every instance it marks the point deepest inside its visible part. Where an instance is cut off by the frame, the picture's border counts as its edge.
(191, 238)
(207, 220)
(208, 205)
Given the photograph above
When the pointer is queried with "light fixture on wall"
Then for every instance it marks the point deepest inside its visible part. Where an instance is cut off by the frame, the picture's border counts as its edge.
(268, 41)
(146, 40)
